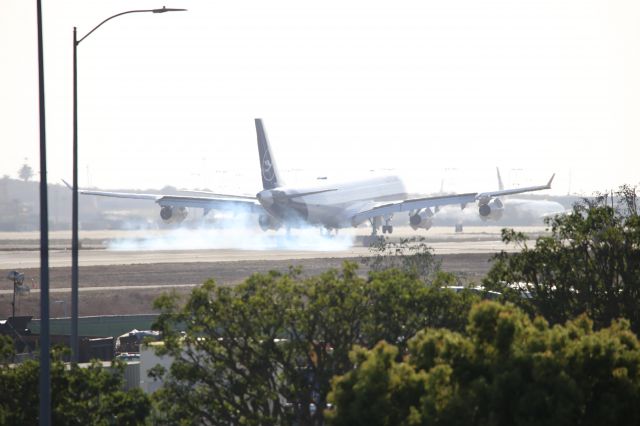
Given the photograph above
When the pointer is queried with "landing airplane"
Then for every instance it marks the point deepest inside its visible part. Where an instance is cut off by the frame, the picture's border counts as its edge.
(350, 204)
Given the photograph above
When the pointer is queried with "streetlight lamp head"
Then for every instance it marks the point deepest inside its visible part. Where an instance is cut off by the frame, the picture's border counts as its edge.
(16, 277)
(165, 9)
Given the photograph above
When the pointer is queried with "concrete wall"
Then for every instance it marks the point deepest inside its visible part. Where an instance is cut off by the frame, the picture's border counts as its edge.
(148, 360)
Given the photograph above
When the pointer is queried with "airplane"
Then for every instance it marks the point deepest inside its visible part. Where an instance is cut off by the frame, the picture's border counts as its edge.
(349, 204)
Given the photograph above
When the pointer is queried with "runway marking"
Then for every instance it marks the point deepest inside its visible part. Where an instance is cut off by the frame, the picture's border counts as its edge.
(108, 288)
(30, 259)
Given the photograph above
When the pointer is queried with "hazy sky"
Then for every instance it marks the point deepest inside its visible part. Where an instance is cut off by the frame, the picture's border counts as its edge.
(429, 89)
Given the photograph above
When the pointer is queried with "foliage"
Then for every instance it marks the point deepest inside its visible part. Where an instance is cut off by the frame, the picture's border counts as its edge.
(264, 352)
(80, 396)
(589, 264)
(411, 255)
(25, 172)
(504, 370)
(6, 350)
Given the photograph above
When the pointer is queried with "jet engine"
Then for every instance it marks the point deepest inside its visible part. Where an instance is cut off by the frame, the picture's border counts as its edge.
(171, 214)
(267, 223)
(491, 210)
(421, 219)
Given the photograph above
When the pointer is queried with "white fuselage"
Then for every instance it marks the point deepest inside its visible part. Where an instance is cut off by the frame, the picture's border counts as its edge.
(328, 205)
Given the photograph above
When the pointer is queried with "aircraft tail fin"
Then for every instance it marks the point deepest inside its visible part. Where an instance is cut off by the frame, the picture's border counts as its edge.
(269, 172)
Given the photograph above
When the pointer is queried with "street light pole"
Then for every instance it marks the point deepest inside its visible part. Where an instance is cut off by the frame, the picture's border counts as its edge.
(74, 211)
(74, 208)
(44, 379)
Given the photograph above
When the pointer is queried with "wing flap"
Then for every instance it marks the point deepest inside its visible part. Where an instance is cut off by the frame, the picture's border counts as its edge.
(209, 203)
(413, 204)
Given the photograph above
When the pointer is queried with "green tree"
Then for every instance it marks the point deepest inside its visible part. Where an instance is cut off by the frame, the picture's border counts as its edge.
(504, 370)
(401, 305)
(410, 255)
(589, 264)
(265, 351)
(80, 396)
(25, 172)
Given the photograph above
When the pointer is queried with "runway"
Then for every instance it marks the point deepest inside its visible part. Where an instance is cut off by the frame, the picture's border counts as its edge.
(19, 252)
(108, 288)
(62, 258)
(119, 281)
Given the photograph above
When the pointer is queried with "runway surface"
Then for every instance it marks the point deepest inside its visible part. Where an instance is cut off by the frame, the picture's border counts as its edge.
(62, 258)
(19, 250)
(119, 281)
(108, 288)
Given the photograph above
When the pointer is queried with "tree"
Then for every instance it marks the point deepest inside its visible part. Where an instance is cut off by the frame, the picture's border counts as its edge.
(589, 264)
(265, 351)
(504, 370)
(410, 255)
(80, 396)
(25, 172)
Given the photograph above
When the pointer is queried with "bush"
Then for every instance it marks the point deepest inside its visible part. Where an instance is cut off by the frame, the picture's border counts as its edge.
(504, 370)
(80, 396)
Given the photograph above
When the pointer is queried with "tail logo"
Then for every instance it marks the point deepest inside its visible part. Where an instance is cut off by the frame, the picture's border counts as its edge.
(267, 168)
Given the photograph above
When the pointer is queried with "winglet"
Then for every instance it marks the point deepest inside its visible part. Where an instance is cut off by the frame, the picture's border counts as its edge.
(550, 180)
(67, 183)
(500, 184)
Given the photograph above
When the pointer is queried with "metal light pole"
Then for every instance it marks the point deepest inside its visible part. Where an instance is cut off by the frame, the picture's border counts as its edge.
(18, 279)
(74, 208)
(45, 365)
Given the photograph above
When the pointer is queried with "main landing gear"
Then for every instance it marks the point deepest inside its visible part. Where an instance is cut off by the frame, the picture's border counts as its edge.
(374, 238)
(387, 228)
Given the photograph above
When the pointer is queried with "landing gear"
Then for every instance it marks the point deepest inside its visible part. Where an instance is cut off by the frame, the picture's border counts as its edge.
(387, 228)
(374, 238)
(328, 232)
(375, 223)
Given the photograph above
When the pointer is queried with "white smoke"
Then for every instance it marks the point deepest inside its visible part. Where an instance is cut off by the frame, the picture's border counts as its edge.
(236, 232)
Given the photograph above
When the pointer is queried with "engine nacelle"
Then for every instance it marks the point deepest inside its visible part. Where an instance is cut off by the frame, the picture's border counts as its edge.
(491, 210)
(422, 219)
(267, 223)
(171, 214)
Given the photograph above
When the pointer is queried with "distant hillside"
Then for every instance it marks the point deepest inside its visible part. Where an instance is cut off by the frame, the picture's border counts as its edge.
(19, 208)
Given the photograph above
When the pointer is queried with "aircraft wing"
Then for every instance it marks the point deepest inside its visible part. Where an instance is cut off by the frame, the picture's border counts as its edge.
(413, 204)
(421, 203)
(212, 201)
(500, 192)
(208, 203)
